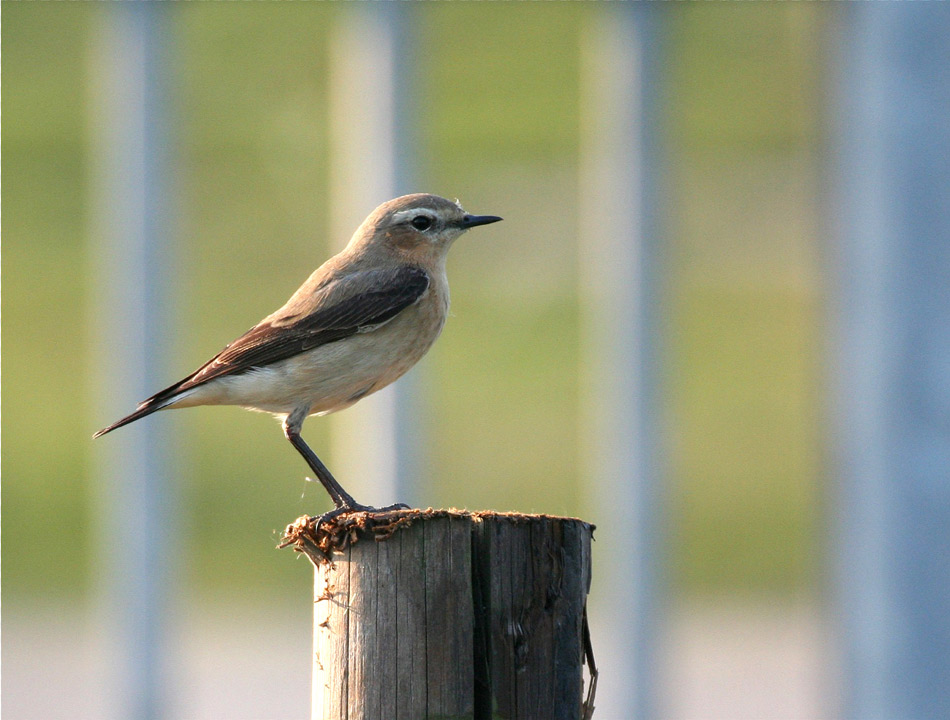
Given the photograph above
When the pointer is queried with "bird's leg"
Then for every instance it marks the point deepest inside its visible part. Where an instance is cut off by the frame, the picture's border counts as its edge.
(292, 424)
(341, 498)
(343, 501)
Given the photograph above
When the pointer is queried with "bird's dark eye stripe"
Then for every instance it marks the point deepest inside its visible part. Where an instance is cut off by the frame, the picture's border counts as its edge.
(421, 222)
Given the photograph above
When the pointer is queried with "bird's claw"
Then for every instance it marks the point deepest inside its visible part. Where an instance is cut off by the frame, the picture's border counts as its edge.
(319, 520)
(388, 508)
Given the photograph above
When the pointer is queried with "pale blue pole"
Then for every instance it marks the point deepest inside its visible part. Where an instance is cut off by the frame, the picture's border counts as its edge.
(620, 240)
(891, 343)
(410, 427)
(131, 322)
(372, 123)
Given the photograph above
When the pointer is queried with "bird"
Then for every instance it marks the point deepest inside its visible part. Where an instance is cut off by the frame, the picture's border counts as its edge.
(358, 323)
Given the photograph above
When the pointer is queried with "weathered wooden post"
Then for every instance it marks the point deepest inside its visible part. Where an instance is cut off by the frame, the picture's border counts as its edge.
(449, 614)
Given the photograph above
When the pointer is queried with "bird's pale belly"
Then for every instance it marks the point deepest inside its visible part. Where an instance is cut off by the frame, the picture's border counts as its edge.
(332, 376)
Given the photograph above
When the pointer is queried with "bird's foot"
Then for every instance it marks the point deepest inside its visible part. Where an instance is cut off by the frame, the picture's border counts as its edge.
(354, 507)
(318, 536)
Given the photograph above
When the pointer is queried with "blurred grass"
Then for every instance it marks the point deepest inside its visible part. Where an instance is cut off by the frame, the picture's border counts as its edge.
(45, 449)
(745, 396)
(499, 114)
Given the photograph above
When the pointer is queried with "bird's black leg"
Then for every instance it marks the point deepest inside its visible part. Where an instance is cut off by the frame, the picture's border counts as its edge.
(341, 498)
(343, 501)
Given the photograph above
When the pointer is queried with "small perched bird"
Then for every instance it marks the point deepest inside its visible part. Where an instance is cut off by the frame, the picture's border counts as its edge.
(359, 322)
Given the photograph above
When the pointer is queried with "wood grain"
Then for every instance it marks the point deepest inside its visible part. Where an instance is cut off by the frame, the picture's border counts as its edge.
(453, 615)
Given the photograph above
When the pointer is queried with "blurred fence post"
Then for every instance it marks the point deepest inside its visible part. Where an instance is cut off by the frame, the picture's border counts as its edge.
(621, 418)
(130, 323)
(371, 146)
(891, 342)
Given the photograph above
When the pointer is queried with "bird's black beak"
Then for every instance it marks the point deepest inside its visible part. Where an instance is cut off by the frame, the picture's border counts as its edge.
(470, 221)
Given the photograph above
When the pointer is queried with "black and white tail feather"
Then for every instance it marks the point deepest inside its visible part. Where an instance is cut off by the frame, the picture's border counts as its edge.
(158, 401)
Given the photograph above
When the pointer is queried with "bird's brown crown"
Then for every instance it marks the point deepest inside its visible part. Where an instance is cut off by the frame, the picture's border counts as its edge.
(418, 228)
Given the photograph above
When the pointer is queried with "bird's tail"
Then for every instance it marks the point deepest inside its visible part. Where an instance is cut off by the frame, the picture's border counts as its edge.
(146, 407)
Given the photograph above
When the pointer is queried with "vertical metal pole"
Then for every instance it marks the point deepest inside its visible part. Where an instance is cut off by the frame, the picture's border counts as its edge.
(622, 419)
(371, 147)
(130, 323)
(892, 359)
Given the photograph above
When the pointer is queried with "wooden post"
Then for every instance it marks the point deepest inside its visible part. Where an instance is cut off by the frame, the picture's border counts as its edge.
(449, 614)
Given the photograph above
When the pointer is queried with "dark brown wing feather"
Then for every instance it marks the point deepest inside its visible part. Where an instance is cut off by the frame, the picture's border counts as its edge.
(338, 313)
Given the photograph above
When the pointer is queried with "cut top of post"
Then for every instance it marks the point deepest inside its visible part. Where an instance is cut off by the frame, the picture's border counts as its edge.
(317, 540)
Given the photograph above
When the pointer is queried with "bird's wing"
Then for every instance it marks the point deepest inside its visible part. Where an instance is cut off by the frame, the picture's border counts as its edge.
(354, 303)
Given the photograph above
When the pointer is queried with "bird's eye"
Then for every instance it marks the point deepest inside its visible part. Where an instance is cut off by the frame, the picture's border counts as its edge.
(421, 222)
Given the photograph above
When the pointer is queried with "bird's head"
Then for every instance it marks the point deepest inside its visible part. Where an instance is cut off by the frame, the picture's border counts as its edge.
(417, 226)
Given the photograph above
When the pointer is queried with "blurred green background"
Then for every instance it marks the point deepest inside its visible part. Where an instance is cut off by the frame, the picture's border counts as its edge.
(499, 109)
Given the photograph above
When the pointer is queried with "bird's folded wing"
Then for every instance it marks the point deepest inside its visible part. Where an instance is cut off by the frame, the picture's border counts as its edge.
(354, 303)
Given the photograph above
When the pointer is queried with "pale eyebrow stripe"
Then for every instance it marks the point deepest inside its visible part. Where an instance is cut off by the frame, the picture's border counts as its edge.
(413, 212)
